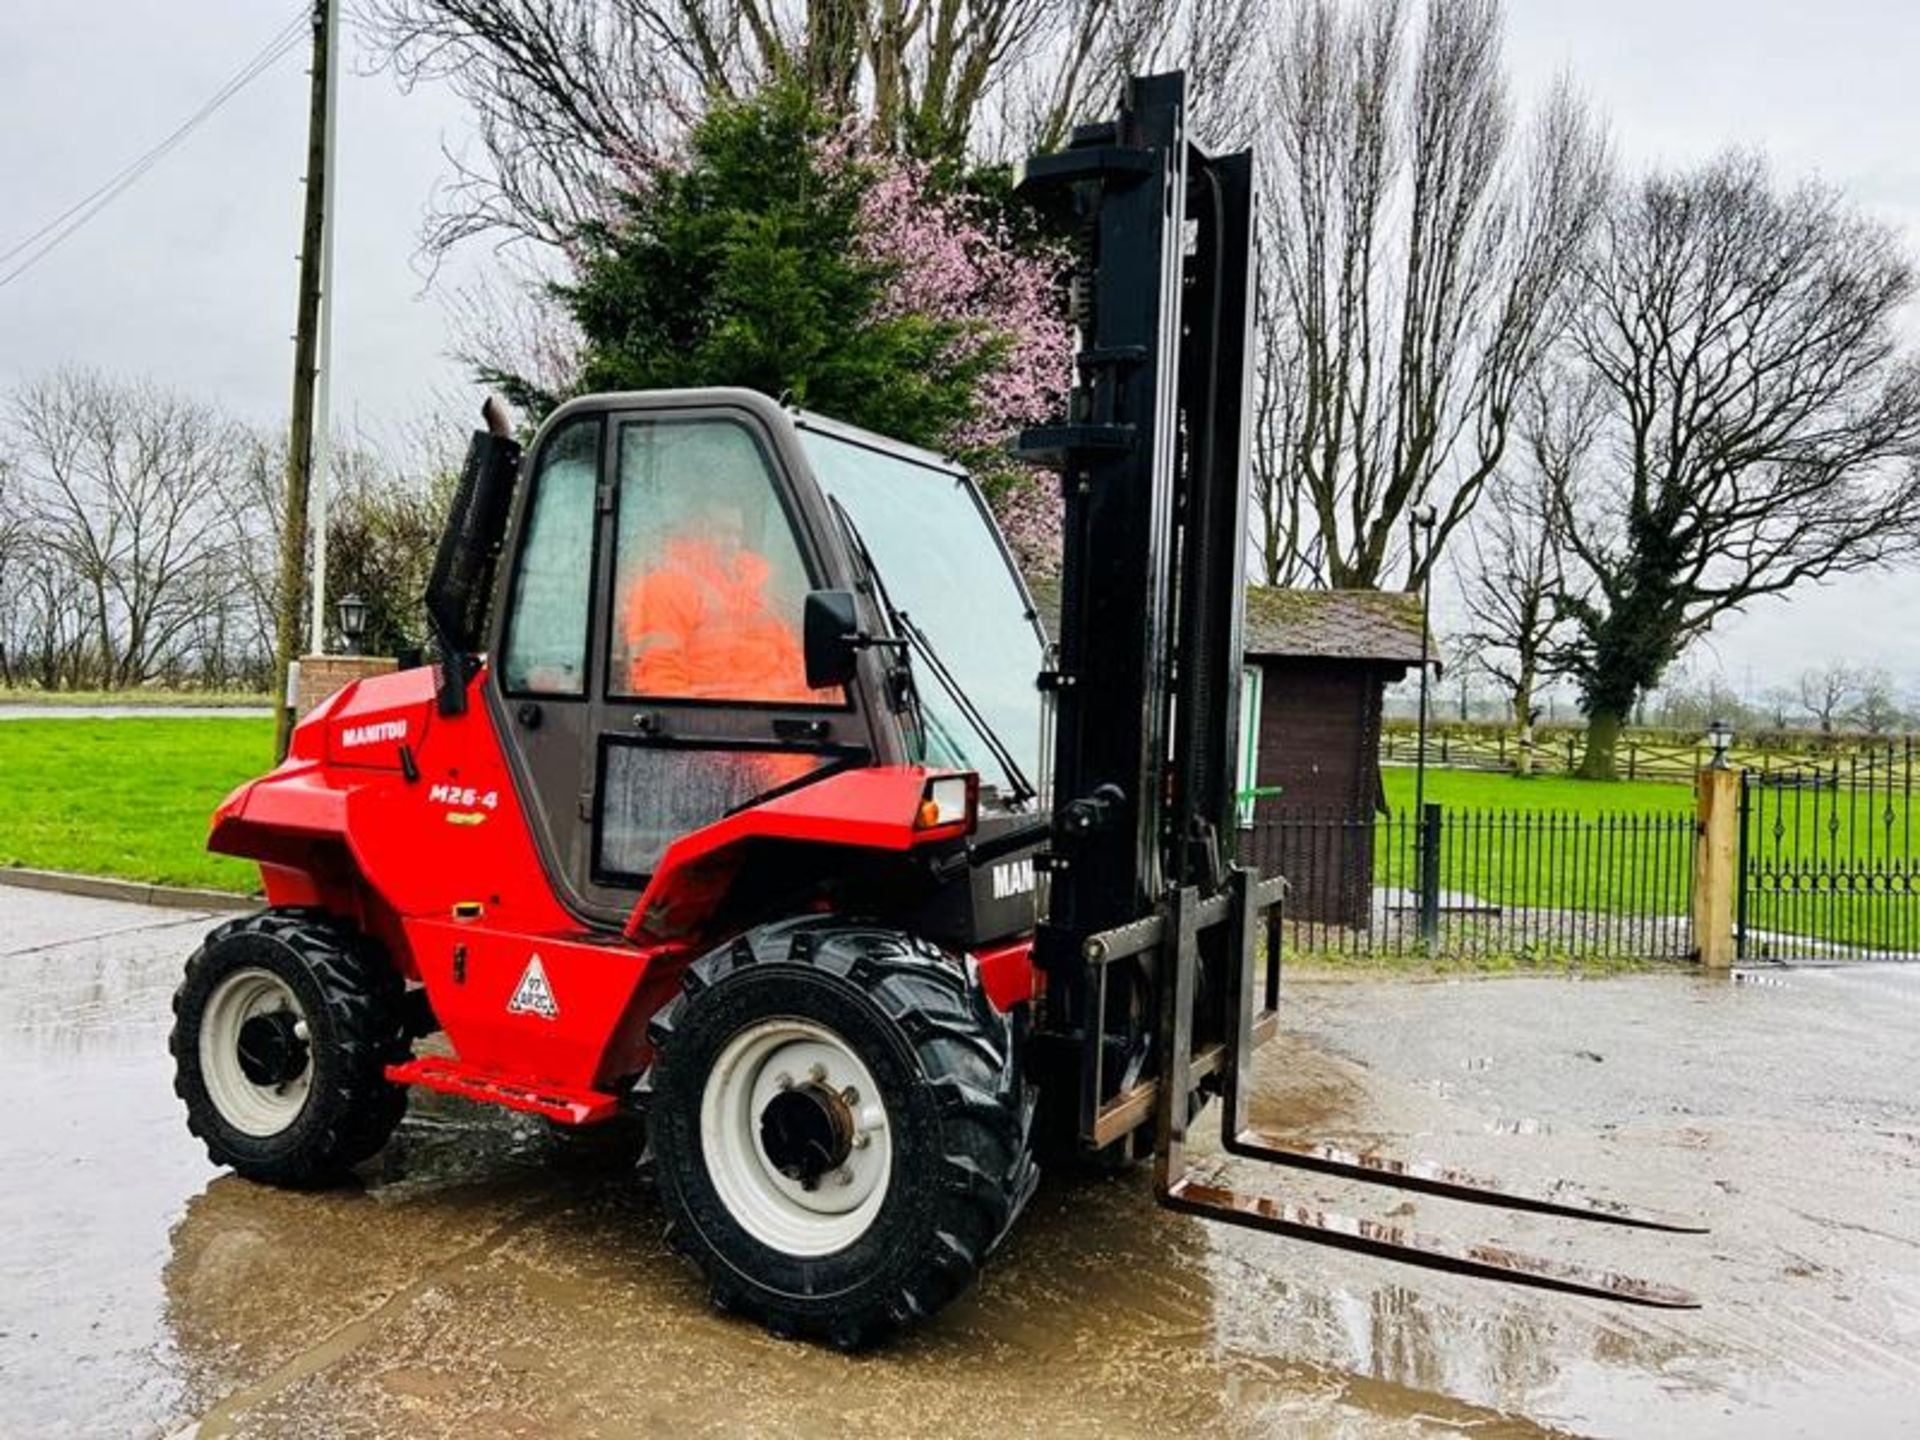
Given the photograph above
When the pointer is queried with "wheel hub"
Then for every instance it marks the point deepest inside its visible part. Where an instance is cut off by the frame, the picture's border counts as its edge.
(270, 1048)
(807, 1131)
(796, 1136)
(256, 1055)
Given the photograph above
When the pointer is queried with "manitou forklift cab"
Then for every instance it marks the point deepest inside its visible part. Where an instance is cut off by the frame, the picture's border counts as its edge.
(680, 561)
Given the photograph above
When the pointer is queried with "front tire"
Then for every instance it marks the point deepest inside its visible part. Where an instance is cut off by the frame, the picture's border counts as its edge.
(283, 1029)
(840, 1127)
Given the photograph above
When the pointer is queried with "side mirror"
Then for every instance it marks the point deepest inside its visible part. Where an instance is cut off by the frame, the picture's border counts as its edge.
(831, 633)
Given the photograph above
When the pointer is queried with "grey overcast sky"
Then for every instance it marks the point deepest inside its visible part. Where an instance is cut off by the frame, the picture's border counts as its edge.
(189, 276)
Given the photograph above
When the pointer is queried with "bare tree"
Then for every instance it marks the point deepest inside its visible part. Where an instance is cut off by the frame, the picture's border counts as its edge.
(1689, 704)
(15, 546)
(1763, 421)
(574, 99)
(1075, 60)
(1422, 249)
(1878, 711)
(43, 621)
(1513, 584)
(248, 534)
(1778, 705)
(1288, 548)
(383, 527)
(124, 486)
(1828, 695)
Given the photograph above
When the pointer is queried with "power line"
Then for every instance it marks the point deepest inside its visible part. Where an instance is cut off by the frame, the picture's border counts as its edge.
(261, 59)
(62, 226)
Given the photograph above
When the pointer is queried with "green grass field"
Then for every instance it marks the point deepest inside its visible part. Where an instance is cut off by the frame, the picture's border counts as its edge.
(127, 798)
(1483, 790)
(1623, 848)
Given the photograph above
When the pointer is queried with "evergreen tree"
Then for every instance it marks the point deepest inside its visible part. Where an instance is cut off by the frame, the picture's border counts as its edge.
(747, 267)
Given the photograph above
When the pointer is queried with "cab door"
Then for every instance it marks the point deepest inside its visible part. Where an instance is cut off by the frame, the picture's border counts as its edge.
(540, 682)
(702, 706)
(650, 671)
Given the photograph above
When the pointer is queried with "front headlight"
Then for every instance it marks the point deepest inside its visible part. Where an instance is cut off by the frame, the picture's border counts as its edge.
(948, 800)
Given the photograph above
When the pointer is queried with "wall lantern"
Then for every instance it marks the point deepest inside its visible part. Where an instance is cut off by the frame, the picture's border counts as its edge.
(351, 611)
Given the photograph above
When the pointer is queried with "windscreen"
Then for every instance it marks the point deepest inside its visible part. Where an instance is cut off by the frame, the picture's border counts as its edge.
(943, 567)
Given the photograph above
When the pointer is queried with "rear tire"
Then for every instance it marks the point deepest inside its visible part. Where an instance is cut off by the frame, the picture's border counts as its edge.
(283, 1029)
(840, 1127)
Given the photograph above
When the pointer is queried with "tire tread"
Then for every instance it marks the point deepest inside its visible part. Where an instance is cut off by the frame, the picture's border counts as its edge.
(362, 994)
(987, 1170)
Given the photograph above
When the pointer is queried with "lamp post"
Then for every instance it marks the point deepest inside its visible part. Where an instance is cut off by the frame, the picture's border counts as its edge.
(351, 611)
(1421, 518)
(1720, 738)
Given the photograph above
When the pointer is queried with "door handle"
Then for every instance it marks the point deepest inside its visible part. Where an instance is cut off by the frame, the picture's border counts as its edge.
(788, 727)
(528, 715)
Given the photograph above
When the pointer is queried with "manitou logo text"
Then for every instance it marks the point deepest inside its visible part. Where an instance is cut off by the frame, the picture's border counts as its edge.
(373, 734)
(533, 995)
(1013, 878)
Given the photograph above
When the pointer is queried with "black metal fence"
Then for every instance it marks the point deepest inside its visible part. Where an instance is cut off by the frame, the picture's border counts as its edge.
(1530, 885)
(1827, 866)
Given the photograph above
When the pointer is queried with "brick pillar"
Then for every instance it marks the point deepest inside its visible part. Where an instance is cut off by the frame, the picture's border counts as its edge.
(1716, 847)
(321, 675)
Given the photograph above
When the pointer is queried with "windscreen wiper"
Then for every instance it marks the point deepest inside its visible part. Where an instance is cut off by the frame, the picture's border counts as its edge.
(908, 696)
(1023, 790)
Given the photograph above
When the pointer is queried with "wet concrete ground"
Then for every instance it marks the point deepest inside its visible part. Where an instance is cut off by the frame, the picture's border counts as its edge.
(468, 1288)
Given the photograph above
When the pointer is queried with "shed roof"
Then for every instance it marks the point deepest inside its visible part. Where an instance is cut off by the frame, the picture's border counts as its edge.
(1318, 624)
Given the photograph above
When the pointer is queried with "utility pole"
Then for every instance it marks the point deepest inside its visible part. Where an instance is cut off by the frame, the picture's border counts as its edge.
(323, 390)
(294, 530)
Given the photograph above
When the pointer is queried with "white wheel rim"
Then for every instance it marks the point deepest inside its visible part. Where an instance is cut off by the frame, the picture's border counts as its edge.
(779, 1211)
(252, 1109)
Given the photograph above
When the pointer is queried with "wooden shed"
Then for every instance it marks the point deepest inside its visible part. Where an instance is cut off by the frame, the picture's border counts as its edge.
(1321, 660)
(1317, 664)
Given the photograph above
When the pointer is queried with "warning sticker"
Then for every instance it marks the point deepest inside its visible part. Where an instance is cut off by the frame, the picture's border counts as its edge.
(533, 995)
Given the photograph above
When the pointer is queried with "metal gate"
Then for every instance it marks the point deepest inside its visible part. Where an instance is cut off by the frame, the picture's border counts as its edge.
(1828, 865)
(1458, 881)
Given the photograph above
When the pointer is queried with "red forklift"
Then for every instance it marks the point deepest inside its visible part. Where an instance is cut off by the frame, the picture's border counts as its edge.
(747, 801)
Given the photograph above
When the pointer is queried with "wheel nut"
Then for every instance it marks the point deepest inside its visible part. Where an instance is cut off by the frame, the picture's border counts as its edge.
(850, 1095)
(783, 1081)
(861, 1141)
(816, 1072)
(300, 1030)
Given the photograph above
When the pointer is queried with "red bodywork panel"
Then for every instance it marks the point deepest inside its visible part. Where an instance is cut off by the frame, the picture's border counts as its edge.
(867, 809)
(443, 872)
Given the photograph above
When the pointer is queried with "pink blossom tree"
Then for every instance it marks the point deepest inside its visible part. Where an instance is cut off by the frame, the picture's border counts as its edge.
(951, 260)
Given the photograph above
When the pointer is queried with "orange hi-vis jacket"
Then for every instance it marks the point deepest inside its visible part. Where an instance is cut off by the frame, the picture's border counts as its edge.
(699, 627)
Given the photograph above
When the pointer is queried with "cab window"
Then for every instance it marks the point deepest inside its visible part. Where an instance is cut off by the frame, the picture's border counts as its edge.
(709, 581)
(545, 651)
(651, 797)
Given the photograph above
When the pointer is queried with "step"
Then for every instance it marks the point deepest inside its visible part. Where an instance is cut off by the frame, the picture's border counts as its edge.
(450, 1077)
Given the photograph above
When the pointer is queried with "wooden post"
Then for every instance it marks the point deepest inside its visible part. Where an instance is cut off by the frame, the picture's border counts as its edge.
(1716, 844)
